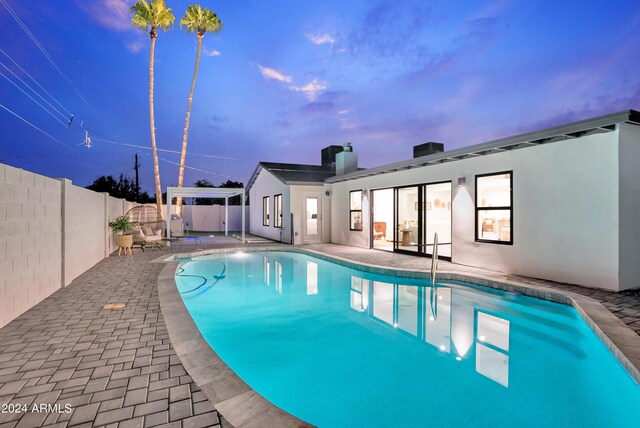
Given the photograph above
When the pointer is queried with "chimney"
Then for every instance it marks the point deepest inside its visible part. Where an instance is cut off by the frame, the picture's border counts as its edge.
(329, 156)
(346, 160)
(427, 149)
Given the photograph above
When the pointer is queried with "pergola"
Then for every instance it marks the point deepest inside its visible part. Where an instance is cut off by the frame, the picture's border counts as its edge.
(206, 192)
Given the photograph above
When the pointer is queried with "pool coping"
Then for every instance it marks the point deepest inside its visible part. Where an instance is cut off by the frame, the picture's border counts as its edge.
(243, 407)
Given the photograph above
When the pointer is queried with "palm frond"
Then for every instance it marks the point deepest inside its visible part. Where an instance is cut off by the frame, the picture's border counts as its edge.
(154, 14)
(197, 19)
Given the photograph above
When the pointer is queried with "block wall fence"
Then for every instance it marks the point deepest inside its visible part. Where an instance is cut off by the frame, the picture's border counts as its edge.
(50, 232)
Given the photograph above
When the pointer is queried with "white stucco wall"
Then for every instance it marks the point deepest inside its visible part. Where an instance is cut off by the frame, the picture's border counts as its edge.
(565, 208)
(210, 218)
(30, 239)
(298, 194)
(267, 185)
(629, 232)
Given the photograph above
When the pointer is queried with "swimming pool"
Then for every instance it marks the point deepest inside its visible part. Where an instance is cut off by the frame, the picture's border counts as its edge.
(336, 347)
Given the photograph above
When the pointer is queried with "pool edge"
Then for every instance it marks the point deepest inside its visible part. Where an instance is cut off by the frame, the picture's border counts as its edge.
(241, 406)
(236, 401)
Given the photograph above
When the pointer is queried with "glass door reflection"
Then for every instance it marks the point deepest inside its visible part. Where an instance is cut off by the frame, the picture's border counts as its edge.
(446, 319)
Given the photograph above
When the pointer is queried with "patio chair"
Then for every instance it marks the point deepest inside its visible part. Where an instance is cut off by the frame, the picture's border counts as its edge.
(143, 236)
(148, 225)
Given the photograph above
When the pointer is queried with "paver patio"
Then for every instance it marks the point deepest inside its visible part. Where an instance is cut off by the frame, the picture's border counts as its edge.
(114, 367)
(117, 367)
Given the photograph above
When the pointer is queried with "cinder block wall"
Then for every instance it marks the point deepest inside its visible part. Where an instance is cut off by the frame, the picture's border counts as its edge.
(30, 240)
(50, 232)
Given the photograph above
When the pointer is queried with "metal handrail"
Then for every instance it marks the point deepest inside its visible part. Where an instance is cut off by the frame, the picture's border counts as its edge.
(434, 260)
(433, 292)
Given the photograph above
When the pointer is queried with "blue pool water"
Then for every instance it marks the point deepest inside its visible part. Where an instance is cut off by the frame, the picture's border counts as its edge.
(338, 347)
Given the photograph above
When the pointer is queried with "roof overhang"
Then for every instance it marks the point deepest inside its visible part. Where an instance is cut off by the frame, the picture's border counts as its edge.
(305, 183)
(254, 176)
(574, 130)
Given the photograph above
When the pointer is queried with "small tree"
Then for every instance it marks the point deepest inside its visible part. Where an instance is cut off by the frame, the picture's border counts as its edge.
(123, 188)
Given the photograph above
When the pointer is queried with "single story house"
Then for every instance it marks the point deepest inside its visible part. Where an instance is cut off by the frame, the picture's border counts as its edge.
(560, 204)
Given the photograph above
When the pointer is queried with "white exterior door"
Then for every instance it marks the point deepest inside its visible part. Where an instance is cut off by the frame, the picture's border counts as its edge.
(312, 227)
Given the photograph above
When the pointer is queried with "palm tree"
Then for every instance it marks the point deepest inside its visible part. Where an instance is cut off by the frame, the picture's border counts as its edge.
(149, 16)
(195, 20)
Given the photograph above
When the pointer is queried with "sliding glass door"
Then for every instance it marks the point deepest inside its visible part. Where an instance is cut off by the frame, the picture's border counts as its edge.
(408, 214)
(382, 230)
(437, 218)
(420, 212)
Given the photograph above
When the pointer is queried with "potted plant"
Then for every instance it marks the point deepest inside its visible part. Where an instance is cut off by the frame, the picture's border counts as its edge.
(121, 225)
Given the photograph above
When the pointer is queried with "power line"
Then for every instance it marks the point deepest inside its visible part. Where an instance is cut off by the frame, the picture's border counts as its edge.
(42, 49)
(171, 151)
(197, 169)
(36, 82)
(201, 170)
(32, 125)
(32, 90)
(32, 99)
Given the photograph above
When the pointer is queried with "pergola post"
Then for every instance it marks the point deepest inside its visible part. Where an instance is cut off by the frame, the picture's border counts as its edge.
(226, 216)
(192, 192)
(168, 218)
(243, 198)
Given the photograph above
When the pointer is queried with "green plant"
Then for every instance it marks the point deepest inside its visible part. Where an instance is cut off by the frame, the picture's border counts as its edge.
(121, 224)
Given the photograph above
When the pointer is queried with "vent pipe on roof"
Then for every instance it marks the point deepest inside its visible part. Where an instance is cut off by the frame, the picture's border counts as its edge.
(346, 160)
(427, 149)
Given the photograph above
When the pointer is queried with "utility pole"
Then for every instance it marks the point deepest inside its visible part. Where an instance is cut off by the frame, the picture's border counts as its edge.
(137, 165)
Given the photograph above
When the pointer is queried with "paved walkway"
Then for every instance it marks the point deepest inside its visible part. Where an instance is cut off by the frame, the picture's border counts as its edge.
(117, 368)
(113, 367)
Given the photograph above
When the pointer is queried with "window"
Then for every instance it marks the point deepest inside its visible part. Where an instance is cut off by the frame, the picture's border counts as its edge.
(494, 208)
(355, 210)
(277, 211)
(265, 211)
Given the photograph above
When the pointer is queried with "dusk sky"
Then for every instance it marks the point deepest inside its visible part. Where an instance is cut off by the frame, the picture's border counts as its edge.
(286, 78)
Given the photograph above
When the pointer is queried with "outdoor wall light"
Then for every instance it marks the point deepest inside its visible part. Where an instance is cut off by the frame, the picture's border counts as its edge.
(462, 181)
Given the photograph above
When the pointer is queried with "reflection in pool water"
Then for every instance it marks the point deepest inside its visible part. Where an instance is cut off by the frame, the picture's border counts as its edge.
(339, 347)
(430, 317)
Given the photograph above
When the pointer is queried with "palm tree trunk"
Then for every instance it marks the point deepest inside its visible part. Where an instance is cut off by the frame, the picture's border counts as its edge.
(183, 153)
(152, 122)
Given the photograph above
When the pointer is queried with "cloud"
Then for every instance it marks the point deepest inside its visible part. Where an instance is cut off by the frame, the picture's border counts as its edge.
(390, 29)
(320, 38)
(317, 107)
(475, 36)
(211, 52)
(134, 46)
(270, 73)
(597, 106)
(113, 14)
(311, 89)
